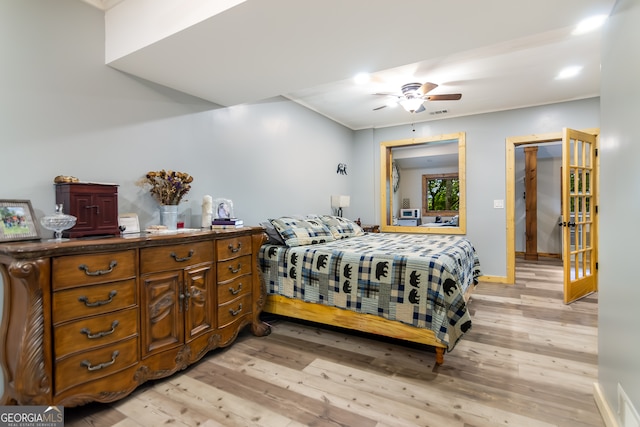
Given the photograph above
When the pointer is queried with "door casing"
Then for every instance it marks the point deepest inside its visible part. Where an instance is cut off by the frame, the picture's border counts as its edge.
(511, 144)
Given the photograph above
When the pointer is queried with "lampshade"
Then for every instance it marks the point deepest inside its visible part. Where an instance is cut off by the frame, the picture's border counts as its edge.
(411, 104)
(340, 201)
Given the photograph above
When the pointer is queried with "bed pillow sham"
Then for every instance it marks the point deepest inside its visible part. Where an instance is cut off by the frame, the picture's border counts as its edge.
(274, 238)
(299, 232)
(342, 228)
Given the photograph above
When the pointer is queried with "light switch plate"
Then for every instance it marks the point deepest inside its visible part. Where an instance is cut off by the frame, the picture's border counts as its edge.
(498, 204)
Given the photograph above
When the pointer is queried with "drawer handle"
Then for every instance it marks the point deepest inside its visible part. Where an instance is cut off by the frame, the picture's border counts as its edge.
(236, 291)
(102, 365)
(85, 268)
(235, 270)
(86, 302)
(101, 334)
(236, 312)
(236, 249)
(178, 259)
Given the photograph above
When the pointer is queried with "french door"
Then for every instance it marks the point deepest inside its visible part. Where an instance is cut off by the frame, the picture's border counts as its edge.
(579, 211)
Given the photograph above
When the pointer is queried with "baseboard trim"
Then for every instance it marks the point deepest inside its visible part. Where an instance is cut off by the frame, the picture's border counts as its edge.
(493, 279)
(607, 414)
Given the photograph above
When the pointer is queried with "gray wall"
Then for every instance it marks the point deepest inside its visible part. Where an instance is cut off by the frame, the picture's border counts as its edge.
(63, 112)
(486, 141)
(619, 293)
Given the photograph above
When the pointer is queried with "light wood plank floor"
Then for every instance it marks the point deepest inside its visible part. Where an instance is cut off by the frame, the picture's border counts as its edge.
(529, 360)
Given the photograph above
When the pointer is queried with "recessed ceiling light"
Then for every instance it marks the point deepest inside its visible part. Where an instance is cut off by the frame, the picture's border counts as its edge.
(569, 72)
(589, 24)
(361, 78)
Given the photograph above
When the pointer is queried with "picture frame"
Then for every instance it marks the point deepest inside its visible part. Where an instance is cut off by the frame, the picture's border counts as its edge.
(128, 223)
(223, 209)
(17, 221)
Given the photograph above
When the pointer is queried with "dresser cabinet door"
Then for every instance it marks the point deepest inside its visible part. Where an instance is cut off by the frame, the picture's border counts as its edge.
(162, 324)
(199, 304)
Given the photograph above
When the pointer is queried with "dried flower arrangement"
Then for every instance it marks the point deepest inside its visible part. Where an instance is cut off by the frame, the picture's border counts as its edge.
(168, 187)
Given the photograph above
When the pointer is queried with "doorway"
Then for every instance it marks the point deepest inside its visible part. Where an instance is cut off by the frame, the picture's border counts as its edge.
(579, 255)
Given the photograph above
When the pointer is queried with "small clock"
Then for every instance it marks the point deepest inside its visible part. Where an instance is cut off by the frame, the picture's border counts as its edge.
(395, 177)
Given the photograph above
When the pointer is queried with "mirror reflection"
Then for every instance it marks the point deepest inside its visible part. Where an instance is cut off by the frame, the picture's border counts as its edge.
(423, 186)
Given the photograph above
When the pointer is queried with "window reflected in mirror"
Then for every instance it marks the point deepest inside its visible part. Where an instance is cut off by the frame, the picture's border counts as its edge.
(440, 194)
(429, 191)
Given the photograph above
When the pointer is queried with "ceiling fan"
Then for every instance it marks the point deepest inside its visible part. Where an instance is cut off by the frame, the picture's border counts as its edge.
(415, 94)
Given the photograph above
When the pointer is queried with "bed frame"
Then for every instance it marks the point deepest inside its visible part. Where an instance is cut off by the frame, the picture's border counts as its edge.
(328, 315)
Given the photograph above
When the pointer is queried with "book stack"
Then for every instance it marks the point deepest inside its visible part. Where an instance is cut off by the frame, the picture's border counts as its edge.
(222, 223)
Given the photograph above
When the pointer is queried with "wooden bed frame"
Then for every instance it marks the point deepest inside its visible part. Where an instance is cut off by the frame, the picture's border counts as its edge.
(328, 315)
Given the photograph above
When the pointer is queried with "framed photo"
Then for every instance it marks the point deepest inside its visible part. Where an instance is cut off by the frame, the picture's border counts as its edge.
(128, 223)
(17, 221)
(223, 208)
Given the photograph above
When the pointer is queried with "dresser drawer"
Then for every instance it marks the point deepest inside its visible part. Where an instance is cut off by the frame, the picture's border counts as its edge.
(86, 301)
(94, 364)
(234, 289)
(233, 268)
(170, 257)
(233, 248)
(234, 310)
(74, 270)
(85, 334)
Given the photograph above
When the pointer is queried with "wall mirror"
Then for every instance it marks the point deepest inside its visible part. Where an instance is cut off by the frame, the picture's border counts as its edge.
(423, 185)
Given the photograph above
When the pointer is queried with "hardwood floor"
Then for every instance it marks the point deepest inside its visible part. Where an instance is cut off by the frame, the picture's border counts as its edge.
(529, 360)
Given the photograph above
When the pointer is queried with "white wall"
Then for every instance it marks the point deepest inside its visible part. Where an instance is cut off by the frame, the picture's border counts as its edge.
(619, 292)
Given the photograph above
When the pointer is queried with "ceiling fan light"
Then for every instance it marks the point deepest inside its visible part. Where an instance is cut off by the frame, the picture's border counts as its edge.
(392, 103)
(411, 104)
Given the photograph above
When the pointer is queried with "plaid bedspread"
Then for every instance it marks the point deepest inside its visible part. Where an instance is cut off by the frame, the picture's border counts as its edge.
(415, 279)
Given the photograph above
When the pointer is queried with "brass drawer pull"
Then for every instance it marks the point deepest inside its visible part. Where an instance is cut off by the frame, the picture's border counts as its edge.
(102, 365)
(101, 334)
(236, 249)
(236, 291)
(85, 268)
(86, 302)
(236, 312)
(235, 270)
(187, 258)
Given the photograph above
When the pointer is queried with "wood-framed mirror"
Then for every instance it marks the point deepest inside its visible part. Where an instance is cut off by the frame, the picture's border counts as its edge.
(422, 188)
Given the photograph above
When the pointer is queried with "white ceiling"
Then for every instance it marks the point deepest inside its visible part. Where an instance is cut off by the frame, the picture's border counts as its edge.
(500, 54)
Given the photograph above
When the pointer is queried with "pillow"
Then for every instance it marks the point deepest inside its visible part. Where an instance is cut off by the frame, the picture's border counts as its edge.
(341, 228)
(299, 232)
(272, 233)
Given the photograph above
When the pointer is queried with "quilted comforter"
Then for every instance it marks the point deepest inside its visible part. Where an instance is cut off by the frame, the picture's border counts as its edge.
(415, 279)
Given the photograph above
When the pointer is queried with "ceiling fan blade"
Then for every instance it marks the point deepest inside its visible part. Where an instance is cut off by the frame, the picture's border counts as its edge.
(420, 110)
(445, 97)
(427, 87)
(379, 108)
(386, 94)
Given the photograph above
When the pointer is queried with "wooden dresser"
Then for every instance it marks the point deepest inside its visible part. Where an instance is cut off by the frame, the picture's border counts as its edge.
(90, 320)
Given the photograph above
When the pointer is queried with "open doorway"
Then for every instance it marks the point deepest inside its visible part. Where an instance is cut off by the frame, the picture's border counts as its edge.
(579, 207)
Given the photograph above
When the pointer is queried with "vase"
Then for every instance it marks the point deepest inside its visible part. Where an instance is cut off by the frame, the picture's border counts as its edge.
(169, 216)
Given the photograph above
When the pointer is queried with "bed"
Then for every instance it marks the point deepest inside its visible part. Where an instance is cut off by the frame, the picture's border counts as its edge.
(413, 287)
